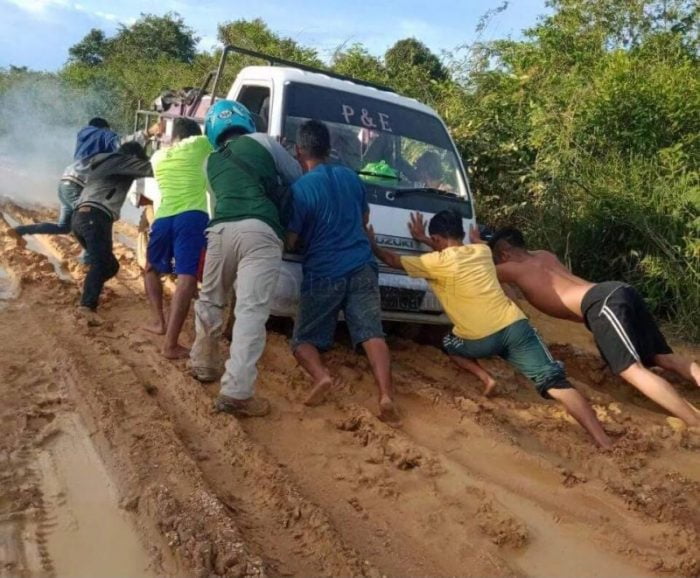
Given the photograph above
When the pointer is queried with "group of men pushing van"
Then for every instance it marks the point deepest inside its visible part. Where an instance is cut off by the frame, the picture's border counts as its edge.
(232, 173)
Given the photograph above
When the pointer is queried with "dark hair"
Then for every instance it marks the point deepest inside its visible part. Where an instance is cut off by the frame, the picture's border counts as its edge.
(313, 138)
(510, 235)
(430, 164)
(185, 127)
(230, 133)
(98, 122)
(447, 224)
(134, 149)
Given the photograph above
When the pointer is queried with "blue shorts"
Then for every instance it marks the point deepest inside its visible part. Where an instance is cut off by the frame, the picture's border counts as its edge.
(180, 238)
(520, 345)
(356, 295)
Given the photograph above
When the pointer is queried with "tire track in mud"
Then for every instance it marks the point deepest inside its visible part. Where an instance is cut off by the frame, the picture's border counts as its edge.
(503, 486)
(289, 532)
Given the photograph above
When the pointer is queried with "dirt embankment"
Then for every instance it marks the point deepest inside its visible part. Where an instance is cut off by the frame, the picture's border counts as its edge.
(113, 463)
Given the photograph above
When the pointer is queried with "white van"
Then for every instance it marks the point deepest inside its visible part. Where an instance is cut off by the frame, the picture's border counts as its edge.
(399, 147)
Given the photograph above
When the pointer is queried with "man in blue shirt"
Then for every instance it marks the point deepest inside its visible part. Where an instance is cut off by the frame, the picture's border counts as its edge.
(330, 213)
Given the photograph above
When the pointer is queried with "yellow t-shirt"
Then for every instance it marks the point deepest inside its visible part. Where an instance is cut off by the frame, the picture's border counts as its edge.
(464, 280)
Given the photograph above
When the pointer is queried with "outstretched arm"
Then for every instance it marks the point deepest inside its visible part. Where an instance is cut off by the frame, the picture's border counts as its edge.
(385, 255)
(475, 236)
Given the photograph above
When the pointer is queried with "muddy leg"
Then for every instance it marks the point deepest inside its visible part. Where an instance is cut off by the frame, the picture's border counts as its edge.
(473, 366)
(661, 391)
(154, 292)
(683, 366)
(380, 360)
(310, 359)
(583, 413)
(179, 307)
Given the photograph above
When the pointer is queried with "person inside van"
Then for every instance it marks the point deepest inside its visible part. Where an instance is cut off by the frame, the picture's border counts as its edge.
(109, 177)
(177, 232)
(624, 330)
(330, 212)
(486, 322)
(429, 170)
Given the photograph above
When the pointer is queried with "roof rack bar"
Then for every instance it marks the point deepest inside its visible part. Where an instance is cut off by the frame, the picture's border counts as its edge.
(274, 60)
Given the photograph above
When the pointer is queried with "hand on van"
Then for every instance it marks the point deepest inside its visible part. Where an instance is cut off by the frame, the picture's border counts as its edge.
(416, 226)
(475, 235)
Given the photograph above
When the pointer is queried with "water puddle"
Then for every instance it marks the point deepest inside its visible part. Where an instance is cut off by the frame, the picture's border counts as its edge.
(84, 531)
(35, 245)
(9, 287)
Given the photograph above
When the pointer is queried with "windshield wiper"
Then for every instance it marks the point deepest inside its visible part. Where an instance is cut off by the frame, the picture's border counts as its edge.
(401, 192)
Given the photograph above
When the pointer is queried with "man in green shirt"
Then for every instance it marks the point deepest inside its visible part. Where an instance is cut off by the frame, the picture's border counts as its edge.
(244, 245)
(177, 234)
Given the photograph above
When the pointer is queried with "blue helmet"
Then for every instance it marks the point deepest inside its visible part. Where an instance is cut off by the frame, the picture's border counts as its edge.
(224, 115)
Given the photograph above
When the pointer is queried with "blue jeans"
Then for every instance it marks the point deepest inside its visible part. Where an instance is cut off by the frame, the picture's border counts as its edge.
(68, 195)
(520, 345)
(356, 295)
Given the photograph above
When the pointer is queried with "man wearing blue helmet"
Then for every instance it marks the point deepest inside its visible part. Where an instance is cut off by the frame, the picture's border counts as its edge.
(244, 245)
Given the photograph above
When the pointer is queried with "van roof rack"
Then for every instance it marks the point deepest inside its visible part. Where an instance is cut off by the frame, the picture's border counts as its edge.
(274, 60)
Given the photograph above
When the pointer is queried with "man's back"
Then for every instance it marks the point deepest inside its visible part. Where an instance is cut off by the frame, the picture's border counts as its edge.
(464, 279)
(240, 189)
(329, 210)
(547, 284)
(109, 178)
(179, 171)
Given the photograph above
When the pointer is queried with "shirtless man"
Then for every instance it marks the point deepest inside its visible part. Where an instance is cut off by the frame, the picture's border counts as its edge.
(624, 331)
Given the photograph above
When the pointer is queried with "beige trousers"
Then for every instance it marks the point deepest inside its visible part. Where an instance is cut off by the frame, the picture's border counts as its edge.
(248, 253)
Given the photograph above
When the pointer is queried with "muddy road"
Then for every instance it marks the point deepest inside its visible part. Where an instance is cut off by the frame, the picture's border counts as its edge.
(112, 462)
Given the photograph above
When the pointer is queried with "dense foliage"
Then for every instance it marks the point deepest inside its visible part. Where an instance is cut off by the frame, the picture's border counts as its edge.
(585, 133)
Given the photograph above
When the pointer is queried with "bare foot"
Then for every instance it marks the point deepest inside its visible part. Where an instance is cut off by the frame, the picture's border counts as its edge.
(177, 352)
(388, 411)
(157, 327)
(489, 387)
(695, 372)
(319, 392)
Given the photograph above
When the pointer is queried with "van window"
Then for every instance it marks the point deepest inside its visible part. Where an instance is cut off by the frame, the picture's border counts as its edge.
(386, 143)
(257, 100)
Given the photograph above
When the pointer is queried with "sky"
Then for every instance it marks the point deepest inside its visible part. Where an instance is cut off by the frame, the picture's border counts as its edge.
(38, 33)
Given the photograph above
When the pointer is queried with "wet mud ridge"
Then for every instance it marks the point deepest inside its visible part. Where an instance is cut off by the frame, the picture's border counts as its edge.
(112, 461)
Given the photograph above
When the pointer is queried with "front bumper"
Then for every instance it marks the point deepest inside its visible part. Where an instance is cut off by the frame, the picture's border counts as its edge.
(404, 299)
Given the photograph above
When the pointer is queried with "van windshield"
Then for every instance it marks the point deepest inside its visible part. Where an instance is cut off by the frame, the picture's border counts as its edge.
(387, 144)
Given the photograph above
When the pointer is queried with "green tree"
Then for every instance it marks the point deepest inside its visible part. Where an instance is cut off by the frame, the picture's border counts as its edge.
(154, 36)
(256, 35)
(357, 62)
(91, 50)
(411, 54)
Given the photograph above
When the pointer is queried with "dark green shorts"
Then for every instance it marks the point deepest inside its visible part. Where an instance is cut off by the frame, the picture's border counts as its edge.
(521, 346)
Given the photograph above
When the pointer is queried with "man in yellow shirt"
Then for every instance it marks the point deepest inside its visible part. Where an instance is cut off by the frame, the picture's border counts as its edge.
(486, 322)
(177, 239)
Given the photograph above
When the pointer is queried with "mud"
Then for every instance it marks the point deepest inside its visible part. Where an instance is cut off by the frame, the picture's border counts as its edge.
(112, 461)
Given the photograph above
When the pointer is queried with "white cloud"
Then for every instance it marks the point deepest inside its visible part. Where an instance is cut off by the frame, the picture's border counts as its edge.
(39, 7)
(47, 8)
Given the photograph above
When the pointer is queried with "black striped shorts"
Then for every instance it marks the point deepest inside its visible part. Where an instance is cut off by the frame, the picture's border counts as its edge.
(622, 326)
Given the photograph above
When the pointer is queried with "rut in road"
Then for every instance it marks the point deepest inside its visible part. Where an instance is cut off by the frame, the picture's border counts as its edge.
(499, 486)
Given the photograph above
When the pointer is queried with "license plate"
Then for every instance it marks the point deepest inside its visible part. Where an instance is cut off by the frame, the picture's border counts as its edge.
(397, 299)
